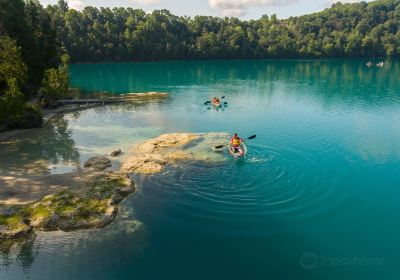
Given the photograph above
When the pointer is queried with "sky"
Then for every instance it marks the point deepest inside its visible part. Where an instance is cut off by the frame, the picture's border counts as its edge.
(245, 9)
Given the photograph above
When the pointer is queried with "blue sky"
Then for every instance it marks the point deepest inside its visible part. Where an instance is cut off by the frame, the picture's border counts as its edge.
(245, 9)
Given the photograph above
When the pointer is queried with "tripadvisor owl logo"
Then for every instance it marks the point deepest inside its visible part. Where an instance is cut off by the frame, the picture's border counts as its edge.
(309, 261)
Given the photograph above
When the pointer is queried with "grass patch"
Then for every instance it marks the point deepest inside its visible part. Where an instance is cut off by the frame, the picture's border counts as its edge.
(105, 188)
(66, 210)
(14, 222)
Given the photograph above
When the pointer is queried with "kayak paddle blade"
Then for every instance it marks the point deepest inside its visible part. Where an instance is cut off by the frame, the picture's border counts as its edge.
(222, 97)
(252, 137)
(219, 147)
(207, 102)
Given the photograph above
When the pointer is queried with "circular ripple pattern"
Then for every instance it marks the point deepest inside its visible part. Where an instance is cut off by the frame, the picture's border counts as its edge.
(283, 180)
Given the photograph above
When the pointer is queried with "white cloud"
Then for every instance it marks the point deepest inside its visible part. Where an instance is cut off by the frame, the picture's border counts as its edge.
(76, 5)
(240, 7)
(146, 2)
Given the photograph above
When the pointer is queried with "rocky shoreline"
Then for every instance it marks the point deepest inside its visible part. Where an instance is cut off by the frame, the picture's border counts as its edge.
(90, 198)
(72, 104)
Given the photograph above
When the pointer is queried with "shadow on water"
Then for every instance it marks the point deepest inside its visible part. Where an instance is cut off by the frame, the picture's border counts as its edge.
(35, 151)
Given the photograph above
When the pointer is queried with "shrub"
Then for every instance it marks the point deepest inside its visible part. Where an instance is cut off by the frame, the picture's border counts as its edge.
(55, 83)
(30, 117)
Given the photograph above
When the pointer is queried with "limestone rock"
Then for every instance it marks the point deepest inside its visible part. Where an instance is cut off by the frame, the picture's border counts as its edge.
(98, 163)
(92, 203)
(153, 155)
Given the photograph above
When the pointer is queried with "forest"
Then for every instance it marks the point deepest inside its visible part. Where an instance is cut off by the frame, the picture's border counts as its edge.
(33, 64)
(37, 43)
(124, 34)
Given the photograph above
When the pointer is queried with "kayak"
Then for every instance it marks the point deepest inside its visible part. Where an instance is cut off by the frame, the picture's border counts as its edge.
(240, 153)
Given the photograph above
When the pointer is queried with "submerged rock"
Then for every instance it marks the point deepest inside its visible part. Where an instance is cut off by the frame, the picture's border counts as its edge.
(116, 153)
(98, 163)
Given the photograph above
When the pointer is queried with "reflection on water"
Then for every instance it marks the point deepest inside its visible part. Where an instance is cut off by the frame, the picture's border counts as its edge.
(20, 252)
(136, 77)
(34, 152)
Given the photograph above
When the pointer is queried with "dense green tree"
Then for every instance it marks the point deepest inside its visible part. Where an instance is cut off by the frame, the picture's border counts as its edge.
(13, 73)
(344, 30)
(55, 83)
(29, 45)
(32, 28)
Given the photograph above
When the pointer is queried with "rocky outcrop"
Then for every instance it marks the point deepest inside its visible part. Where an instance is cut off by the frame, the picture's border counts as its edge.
(153, 155)
(91, 203)
(98, 163)
(90, 199)
(116, 153)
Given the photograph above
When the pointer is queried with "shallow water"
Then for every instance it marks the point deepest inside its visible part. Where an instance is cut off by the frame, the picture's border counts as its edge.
(316, 197)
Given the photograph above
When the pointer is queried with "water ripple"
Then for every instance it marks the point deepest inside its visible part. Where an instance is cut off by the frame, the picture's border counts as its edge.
(277, 182)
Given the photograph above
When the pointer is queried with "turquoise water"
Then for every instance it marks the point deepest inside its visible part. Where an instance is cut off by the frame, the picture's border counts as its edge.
(316, 198)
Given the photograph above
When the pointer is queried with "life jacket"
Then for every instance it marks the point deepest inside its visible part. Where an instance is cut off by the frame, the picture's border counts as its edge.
(235, 142)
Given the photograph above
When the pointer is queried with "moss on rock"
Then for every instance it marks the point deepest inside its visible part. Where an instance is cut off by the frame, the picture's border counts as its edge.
(14, 225)
(95, 205)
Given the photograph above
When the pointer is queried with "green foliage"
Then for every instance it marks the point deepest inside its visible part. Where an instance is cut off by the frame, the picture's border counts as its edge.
(55, 83)
(28, 46)
(14, 222)
(13, 74)
(344, 30)
(14, 111)
(30, 117)
(31, 26)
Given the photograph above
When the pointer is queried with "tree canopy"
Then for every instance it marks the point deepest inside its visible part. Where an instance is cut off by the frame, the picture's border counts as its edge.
(125, 34)
(29, 48)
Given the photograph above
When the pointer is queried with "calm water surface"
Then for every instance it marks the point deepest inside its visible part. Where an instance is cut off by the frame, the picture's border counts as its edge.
(316, 198)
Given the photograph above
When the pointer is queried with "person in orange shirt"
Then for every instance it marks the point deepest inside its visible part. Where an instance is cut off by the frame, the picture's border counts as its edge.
(236, 141)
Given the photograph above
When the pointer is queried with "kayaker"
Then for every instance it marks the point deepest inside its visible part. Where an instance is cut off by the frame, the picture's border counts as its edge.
(235, 142)
(215, 100)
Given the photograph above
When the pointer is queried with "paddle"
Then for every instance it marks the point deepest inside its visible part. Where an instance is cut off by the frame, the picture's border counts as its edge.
(221, 146)
(208, 102)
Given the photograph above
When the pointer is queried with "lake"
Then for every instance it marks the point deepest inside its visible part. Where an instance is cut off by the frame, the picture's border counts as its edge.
(316, 198)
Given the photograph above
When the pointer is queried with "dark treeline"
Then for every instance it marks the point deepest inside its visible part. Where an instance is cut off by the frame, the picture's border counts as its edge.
(32, 63)
(119, 34)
